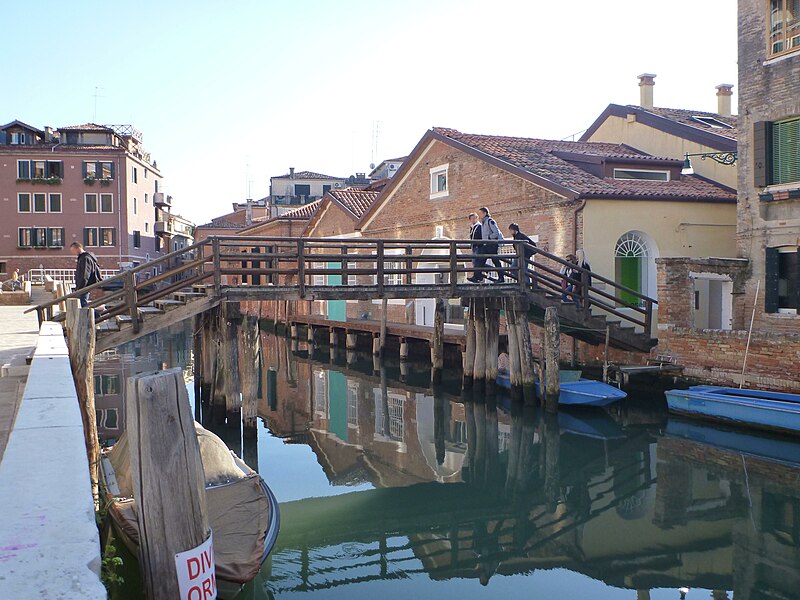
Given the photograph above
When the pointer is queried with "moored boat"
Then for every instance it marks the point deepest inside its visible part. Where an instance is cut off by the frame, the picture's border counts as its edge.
(242, 510)
(587, 392)
(748, 408)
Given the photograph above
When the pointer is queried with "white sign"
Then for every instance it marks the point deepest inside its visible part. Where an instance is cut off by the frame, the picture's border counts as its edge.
(195, 567)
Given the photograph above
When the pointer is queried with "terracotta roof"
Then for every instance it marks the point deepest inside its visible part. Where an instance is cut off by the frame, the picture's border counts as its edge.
(303, 212)
(357, 201)
(548, 159)
(220, 223)
(86, 127)
(686, 117)
(21, 124)
(308, 175)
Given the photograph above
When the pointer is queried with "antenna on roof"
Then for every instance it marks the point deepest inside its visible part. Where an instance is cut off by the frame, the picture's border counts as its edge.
(96, 96)
(376, 129)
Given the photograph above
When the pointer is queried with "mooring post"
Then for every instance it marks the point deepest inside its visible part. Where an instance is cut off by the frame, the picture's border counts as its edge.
(81, 344)
(293, 331)
(249, 364)
(552, 354)
(605, 354)
(384, 318)
(403, 349)
(479, 371)
(376, 344)
(332, 338)
(310, 335)
(437, 342)
(469, 346)
(197, 361)
(514, 358)
(209, 355)
(164, 450)
(492, 344)
(351, 341)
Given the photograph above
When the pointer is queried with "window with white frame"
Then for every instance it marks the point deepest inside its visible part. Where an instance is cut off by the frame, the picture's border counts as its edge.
(23, 169)
(90, 203)
(54, 204)
(641, 174)
(106, 203)
(439, 181)
(108, 236)
(40, 203)
(90, 236)
(23, 202)
(18, 138)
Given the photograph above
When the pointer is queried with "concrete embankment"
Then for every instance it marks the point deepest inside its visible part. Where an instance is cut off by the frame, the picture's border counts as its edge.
(49, 543)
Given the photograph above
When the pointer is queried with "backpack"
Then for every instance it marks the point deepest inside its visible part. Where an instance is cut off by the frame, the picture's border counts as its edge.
(494, 230)
(95, 277)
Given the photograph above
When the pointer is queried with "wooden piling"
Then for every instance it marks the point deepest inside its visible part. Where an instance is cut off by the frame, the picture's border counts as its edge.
(248, 373)
(469, 347)
(293, 331)
(376, 345)
(164, 450)
(552, 354)
(514, 359)
(527, 359)
(333, 339)
(479, 370)
(197, 360)
(351, 341)
(81, 344)
(384, 317)
(492, 344)
(552, 450)
(403, 349)
(437, 342)
(233, 397)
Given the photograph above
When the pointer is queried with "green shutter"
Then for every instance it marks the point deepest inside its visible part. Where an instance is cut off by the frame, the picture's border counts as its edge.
(786, 151)
(85, 236)
(111, 170)
(772, 267)
(84, 169)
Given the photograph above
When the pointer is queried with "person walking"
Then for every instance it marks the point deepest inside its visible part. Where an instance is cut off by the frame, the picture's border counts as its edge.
(87, 270)
(490, 234)
(529, 248)
(475, 235)
(583, 279)
(566, 277)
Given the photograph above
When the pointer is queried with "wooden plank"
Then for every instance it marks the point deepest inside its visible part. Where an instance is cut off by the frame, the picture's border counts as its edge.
(167, 476)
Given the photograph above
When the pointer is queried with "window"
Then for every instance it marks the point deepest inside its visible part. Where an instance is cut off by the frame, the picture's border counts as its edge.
(325, 189)
(711, 122)
(107, 418)
(91, 203)
(2, 268)
(54, 168)
(54, 203)
(156, 190)
(145, 172)
(98, 170)
(641, 174)
(439, 181)
(786, 151)
(145, 198)
(784, 27)
(90, 170)
(23, 202)
(55, 237)
(135, 206)
(90, 237)
(106, 203)
(108, 236)
(106, 385)
(106, 170)
(782, 280)
(25, 237)
(39, 235)
(146, 227)
(134, 177)
(302, 190)
(137, 239)
(18, 138)
(38, 168)
(23, 169)
(40, 203)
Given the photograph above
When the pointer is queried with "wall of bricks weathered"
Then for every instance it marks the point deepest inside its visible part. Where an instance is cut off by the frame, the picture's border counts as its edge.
(769, 90)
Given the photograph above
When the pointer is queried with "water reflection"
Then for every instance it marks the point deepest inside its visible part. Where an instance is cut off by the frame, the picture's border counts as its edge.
(389, 487)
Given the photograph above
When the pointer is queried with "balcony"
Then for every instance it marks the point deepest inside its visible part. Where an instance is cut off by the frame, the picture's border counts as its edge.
(164, 227)
(161, 199)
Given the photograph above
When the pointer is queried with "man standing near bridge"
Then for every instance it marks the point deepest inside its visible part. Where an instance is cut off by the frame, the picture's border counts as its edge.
(87, 270)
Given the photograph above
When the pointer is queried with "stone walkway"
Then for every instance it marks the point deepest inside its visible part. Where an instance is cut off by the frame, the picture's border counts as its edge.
(18, 334)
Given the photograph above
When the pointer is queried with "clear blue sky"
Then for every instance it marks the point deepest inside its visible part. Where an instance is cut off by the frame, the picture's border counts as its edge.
(216, 86)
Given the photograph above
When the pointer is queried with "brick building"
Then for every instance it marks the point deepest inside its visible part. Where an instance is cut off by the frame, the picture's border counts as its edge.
(89, 183)
(768, 222)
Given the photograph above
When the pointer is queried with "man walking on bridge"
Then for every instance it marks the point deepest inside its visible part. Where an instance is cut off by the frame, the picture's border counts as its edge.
(87, 270)
(490, 234)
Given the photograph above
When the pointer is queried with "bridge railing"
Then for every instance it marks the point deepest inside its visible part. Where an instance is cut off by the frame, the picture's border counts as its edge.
(371, 266)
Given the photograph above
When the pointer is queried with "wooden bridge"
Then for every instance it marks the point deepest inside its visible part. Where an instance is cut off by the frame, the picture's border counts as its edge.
(194, 279)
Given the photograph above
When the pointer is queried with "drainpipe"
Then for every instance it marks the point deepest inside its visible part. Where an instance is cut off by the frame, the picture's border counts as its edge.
(578, 209)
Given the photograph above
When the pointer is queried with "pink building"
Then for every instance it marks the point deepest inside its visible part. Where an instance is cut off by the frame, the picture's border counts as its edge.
(94, 184)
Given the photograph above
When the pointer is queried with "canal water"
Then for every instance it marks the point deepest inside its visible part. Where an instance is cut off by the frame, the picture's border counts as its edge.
(390, 489)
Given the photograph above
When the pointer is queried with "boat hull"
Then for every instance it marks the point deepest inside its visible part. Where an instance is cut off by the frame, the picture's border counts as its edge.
(586, 392)
(746, 408)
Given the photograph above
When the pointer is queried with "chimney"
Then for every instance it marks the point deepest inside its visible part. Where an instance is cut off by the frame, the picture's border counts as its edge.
(48, 134)
(724, 94)
(291, 172)
(248, 215)
(646, 83)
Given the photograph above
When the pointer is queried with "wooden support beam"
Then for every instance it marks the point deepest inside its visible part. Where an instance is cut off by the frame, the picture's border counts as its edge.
(514, 358)
(164, 450)
(527, 359)
(552, 354)
(80, 343)
(249, 364)
(469, 347)
(492, 346)
(384, 318)
(479, 371)
(233, 396)
(437, 342)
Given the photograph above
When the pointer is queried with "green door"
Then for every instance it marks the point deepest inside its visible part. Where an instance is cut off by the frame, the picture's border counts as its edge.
(337, 309)
(629, 274)
(337, 402)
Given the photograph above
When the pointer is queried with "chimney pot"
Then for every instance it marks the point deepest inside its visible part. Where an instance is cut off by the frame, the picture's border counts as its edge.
(646, 84)
(291, 172)
(724, 94)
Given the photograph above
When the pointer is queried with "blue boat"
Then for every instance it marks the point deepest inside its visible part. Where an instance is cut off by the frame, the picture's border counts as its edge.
(587, 392)
(749, 408)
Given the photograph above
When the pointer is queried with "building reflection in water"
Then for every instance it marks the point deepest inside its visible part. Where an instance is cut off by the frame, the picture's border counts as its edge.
(470, 487)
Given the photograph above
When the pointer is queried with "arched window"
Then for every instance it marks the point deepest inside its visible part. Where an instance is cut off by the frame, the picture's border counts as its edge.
(631, 262)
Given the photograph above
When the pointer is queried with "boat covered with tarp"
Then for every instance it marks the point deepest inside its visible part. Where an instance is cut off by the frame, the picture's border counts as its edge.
(242, 511)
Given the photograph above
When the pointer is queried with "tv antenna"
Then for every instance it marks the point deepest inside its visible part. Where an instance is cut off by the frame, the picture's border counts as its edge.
(96, 95)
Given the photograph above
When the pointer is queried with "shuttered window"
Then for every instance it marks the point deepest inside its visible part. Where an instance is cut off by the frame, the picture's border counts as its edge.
(786, 151)
(782, 290)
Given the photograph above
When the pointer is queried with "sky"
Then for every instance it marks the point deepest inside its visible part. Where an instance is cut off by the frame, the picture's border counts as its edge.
(230, 93)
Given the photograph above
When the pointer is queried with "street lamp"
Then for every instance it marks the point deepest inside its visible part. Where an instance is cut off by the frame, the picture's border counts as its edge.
(723, 158)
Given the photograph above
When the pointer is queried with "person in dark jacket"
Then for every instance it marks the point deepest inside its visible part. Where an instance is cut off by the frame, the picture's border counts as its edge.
(490, 234)
(582, 279)
(87, 270)
(529, 248)
(475, 234)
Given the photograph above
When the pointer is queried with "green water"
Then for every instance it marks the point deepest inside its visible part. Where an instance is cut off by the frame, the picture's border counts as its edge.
(389, 489)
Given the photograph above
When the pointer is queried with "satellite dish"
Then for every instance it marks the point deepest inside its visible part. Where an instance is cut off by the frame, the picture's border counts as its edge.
(371, 165)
